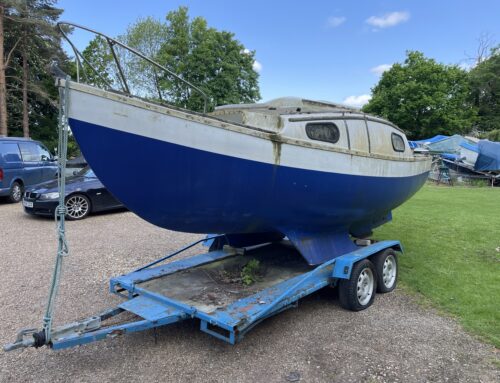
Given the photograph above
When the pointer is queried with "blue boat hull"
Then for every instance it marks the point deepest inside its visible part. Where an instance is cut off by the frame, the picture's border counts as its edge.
(190, 190)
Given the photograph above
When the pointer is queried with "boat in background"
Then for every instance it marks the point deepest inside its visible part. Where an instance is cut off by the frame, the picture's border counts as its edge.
(315, 172)
(465, 160)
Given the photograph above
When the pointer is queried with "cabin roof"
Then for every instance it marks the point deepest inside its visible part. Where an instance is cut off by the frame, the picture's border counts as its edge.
(267, 115)
(288, 105)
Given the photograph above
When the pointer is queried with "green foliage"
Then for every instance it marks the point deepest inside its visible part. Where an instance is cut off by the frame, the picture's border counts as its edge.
(98, 66)
(479, 182)
(210, 59)
(250, 272)
(493, 135)
(452, 252)
(146, 36)
(484, 81)
(32, 25)
(424, 97)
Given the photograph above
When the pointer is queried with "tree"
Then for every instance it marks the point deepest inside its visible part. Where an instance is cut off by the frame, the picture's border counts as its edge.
(146, 36)
(7, 47)
(492, 135)
(485, 42)
(210, 59)
(98, 67)
(485, 91)
(424, 97)
(32, 43)
(3, 84)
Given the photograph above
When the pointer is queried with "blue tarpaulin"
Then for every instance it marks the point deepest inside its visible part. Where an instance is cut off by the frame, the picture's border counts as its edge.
(450, 156)
(489, 156)
(472, 147)
(448, 144)
(431, 140)
(415, 144)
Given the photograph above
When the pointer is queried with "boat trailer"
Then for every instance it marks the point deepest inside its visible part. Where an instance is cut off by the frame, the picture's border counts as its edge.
(205, 287)
(209, 287)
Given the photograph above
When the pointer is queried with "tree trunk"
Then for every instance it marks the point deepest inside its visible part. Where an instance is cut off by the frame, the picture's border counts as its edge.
(26, 125)
(3, 85)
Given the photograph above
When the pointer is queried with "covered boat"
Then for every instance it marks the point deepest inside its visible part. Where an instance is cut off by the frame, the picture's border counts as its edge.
(315, 172)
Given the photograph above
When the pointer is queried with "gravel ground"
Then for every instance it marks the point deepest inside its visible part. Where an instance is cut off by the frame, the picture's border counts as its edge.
(396, 340)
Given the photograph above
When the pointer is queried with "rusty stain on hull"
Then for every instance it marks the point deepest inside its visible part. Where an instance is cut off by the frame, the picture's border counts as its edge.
(276, 141)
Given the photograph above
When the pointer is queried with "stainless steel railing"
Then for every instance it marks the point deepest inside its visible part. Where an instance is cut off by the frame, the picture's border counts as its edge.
(80, 59)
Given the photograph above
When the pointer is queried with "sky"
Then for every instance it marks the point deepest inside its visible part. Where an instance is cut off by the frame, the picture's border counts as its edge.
(323, 50)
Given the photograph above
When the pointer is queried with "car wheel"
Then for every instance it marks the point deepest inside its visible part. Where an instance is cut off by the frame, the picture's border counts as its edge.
(358, 292)
(386, 266)
(78, 207)
(16, 192)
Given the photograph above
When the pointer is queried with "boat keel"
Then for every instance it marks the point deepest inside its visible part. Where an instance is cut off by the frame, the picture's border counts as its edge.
(317, 248)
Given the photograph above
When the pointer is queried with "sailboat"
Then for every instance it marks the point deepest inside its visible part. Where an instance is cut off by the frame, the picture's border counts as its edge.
(318, 173)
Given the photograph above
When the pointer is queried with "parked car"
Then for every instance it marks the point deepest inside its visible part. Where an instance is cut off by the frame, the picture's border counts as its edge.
(85, 194)
(23, 162)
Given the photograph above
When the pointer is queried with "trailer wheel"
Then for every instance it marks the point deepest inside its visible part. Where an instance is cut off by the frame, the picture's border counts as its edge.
(386, 266)
(358, 292)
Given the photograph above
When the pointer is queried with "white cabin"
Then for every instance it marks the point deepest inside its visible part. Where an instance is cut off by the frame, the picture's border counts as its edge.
(318, 122)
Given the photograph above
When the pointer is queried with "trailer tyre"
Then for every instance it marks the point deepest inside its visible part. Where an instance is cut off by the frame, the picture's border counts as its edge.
(358, 292)
(386, 266)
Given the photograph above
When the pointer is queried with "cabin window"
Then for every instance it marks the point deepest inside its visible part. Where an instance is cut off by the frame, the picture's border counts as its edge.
(398, 143)
(323, 131)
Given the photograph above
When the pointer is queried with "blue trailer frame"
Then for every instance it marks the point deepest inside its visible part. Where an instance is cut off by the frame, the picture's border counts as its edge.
(229, 323)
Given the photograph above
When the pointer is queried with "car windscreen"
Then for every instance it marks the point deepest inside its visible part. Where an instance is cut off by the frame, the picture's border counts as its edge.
(86, 172)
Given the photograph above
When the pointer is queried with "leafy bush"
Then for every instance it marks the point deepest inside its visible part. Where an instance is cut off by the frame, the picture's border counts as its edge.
(249, 273)
(494, 135)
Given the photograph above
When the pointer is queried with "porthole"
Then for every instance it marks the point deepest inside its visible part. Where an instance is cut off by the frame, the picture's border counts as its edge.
(398, 144)
(323, 131)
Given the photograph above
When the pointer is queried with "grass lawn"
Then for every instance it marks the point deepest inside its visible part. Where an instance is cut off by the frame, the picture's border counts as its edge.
(451, 237)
